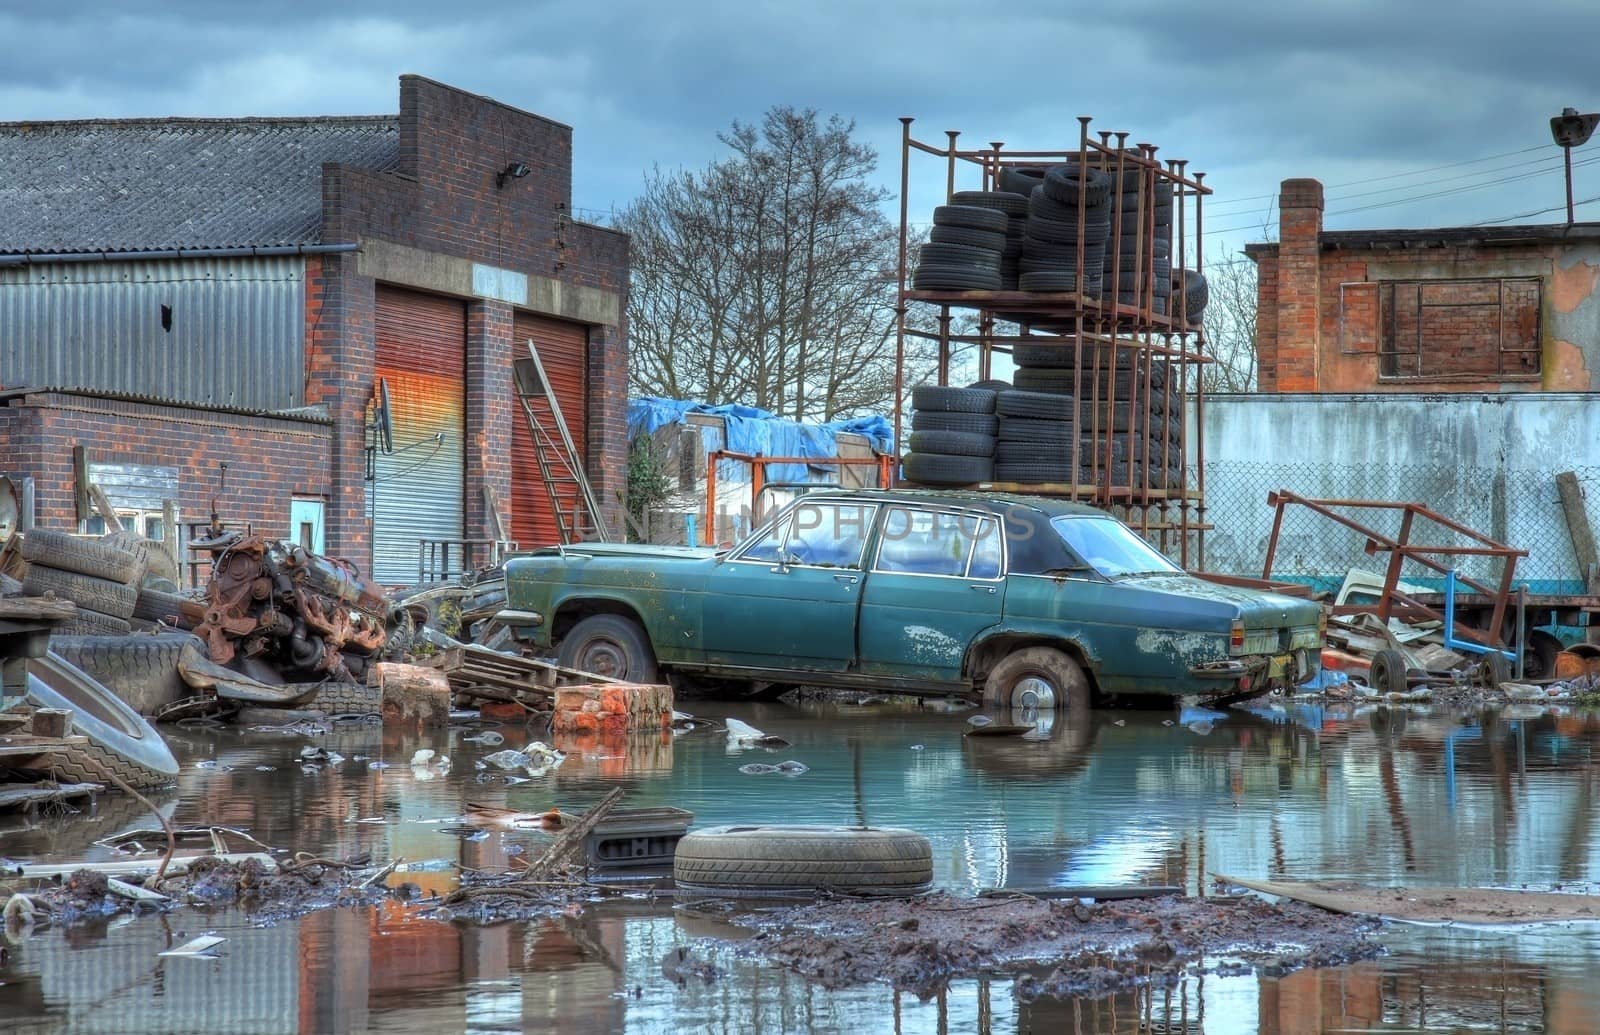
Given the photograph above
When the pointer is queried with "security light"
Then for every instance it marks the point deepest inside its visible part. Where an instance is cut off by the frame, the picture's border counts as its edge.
(1572, 129)
(514, 171)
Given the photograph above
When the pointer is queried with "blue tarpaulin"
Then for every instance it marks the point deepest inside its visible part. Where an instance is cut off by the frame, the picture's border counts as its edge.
(759, 432)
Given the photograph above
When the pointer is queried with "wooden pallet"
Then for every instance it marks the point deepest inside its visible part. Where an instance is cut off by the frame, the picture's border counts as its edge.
(15, 796)
(490, 674)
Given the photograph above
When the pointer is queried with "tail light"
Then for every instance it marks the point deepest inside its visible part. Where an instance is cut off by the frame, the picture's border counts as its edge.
(1236, 637)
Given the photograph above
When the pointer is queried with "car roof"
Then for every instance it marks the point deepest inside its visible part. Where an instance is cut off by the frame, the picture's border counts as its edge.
(1049, 505)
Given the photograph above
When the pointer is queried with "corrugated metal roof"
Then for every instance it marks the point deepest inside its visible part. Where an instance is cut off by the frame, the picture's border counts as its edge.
(145, 184)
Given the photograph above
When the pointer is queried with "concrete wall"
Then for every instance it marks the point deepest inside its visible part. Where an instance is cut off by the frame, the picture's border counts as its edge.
(1487, 461)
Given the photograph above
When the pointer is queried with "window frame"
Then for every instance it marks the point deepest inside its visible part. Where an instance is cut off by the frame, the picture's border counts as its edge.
(785, 517)
(1386, 336)
(966, 575)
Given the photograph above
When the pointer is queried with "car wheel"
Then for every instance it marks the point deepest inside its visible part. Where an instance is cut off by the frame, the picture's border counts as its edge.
(1038, 677)
(612, 646)
(1386, 672)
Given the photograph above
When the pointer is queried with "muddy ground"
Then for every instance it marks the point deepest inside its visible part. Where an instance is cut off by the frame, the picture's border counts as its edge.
(919, 944)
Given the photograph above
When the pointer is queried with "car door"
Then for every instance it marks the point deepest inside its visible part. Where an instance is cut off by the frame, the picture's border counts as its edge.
(788, 600)
(936, 581)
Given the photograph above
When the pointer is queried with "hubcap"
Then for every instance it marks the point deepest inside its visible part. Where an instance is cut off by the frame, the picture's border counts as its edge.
(1033, 692)
(605, 659)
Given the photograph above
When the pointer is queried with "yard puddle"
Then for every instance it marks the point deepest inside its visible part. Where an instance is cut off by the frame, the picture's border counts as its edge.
(1285, 792)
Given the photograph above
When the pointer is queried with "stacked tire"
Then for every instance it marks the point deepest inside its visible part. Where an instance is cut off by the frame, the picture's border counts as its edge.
(1141, 263)
(1192, 285)
(102, 578)
(1034, 445)
(1015, 207)
(953, 434)
(1068, 221)
(964, 250)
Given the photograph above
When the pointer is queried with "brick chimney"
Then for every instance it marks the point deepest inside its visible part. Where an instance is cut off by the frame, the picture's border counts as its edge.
(1299, 284)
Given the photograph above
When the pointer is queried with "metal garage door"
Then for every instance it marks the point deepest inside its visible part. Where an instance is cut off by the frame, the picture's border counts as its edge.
(564, 351)
(420, 488)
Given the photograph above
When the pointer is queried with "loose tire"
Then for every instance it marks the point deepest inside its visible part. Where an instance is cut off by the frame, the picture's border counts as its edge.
(97, 594)
(346, 699)
(1072, 184)
(945, 469)
(142, 670)
(58, 550)
(91, 623)
(757, 860)
(1387, 672)
(610, 645)
(1038, 677)
(121, 743)
(956, 443)
(156, 559)
(155, 605)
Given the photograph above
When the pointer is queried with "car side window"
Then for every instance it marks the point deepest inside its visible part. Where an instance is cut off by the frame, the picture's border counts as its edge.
(986, 554)
(925, 542)
(766, 547)
(828, 535)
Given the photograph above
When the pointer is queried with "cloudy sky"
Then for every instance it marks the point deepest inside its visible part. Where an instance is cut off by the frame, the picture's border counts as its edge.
(1412, 116)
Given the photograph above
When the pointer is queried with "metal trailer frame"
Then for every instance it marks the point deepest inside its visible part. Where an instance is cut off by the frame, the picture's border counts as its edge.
(884, 462)
(1073, 317)
(1442, 559)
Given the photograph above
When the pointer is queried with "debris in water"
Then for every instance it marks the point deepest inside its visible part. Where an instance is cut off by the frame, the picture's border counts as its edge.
(917, 747)
(506, 759)
(378, 765)
(488, 737)
(679, 965)
(793, 768)
(980, 721)
(196, 947)
(422, 757)
(742, 734)
(1200, 728)
(757, 769)
(312, 755)
(266, 768)
(208, 763)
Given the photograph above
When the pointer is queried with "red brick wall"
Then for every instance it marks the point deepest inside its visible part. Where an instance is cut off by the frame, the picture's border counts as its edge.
(1299, 288)
(270, 459)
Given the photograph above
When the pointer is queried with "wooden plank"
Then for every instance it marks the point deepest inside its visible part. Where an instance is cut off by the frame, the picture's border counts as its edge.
(102, 504)
(571, 839)
(1431, 905)
(17, 796)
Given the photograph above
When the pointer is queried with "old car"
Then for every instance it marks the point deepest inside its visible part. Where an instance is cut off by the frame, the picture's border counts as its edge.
(1030, 601)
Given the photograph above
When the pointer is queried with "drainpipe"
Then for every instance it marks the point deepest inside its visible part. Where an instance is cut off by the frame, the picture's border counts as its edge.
(51, 258)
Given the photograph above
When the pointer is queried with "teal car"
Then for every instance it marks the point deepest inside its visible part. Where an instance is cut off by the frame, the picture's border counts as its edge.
(1028, 601)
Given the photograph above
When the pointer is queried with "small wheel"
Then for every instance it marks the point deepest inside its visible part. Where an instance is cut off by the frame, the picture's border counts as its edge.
(1387, 672)
(610, 645)
(1038, 677)
(1493, 670)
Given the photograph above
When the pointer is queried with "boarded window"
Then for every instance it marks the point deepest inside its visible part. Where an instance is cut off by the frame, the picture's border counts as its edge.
(1483, 329)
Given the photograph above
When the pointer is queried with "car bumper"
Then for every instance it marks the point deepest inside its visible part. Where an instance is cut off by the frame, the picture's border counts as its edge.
(523, 624)
(1261, 671)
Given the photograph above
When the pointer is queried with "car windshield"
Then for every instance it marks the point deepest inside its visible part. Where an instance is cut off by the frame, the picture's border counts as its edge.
(1111, 548)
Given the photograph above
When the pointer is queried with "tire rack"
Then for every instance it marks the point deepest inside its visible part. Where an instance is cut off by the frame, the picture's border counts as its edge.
(1179, 510)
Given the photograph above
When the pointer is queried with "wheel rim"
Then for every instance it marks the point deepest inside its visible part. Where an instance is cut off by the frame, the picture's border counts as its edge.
(604, 658)
(1033, 692)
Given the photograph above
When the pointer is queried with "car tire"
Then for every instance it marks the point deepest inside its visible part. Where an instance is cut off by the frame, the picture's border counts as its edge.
(1029, 431)
(991, 385)
(943, 420)
(1009, 202)
(754, 860)
(945, 469)
(1035, 405)
(1040, 677)
(946, 278)
(1022, 179)
(956, 443)
(951, 400)
(155, 605)
(94, 592)
(1073, 184)
(971, 216)
(610, 645)
(88, 622)
(1386, 672)
(988, 240)
(157, 562)
(121, 742)
(63, 552)
(1034, 472)
(346, 699)
(142, 670)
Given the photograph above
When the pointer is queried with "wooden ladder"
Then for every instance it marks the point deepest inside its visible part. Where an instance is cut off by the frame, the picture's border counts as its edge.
(560, 468)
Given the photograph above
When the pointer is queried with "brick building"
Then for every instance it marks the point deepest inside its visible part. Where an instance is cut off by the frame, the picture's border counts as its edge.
(1461, 309)
(180, 294)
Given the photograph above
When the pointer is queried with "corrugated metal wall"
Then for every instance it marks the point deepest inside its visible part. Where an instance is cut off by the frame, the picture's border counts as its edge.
(564, 351)
(420, 489)
(236, 335)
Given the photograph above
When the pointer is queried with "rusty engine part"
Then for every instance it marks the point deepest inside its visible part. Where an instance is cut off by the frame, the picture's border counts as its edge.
(303, 615)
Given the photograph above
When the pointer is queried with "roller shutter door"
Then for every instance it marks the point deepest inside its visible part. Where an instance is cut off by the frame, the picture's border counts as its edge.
(420, 489)
(564, 351)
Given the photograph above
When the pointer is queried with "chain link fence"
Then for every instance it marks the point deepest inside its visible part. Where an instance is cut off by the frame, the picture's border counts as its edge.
(1520, 508)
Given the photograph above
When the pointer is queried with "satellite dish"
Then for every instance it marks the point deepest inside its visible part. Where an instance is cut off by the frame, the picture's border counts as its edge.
(382, 420)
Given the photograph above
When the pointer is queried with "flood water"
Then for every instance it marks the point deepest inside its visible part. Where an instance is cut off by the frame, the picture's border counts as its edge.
(1290, 792)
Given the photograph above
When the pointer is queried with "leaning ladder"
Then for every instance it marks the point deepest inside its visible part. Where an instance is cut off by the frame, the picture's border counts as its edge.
(560, 469)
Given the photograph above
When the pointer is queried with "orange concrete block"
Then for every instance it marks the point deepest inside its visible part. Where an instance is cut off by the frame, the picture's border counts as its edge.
(615, 700)
(612, 725)
(571, 698)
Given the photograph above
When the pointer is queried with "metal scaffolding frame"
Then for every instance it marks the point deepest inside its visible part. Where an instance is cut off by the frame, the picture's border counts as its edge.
(1103, 323)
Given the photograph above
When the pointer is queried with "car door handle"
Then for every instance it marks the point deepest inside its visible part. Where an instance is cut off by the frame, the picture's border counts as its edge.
(850, 580)
(981, 589)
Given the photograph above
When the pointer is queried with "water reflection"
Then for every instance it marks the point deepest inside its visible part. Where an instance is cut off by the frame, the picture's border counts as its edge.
(1282, 791)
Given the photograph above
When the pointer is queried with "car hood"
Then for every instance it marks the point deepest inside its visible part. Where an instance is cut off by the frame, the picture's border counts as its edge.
(1258, 610)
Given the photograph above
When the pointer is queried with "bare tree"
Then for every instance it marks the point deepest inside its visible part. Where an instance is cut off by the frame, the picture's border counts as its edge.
(1230, 325)
(768, 278)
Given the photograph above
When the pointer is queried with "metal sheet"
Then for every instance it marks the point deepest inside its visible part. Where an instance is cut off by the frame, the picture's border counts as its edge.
(420, 489)
(236, 334)
(564, 351)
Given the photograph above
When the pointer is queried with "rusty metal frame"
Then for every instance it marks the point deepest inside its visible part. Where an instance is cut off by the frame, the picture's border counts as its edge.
(1401, 549)
(1174, 508)
(884, 462)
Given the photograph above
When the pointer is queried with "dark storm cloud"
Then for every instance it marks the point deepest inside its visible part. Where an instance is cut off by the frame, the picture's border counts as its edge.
(1252, 92)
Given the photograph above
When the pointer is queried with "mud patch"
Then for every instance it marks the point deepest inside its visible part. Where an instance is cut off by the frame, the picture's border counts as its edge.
(921, 944)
